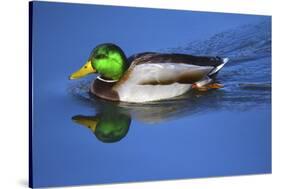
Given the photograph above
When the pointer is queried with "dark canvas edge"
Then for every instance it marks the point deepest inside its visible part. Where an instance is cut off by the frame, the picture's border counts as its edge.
(30, 19)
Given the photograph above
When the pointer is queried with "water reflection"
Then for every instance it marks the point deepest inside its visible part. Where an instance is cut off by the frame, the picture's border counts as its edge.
(112, 120)
(108, 126)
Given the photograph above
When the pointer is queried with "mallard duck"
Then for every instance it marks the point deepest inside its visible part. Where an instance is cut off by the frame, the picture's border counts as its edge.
(147, 76)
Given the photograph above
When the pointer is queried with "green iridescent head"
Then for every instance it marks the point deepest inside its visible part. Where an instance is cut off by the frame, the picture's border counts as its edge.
(106, 59)
(107, 127)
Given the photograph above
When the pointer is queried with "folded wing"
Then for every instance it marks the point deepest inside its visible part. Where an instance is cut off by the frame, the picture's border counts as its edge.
(168, 73)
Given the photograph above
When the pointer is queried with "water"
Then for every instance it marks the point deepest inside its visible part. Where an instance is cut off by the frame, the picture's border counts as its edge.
(199, 134)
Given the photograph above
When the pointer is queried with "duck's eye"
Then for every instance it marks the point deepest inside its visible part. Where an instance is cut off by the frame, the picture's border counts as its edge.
(99, 56)
(85, 66)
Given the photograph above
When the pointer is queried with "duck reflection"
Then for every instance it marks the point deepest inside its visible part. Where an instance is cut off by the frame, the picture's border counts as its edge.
(108, 127)
(112, 121)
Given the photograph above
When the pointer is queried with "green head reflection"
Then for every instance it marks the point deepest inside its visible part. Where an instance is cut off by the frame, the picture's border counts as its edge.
(108, 128)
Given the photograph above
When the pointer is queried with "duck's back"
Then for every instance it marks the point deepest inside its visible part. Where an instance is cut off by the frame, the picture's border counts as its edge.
(153, 57)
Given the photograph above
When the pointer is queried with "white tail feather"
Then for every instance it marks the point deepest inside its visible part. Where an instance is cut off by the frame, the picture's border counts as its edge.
(224, 60)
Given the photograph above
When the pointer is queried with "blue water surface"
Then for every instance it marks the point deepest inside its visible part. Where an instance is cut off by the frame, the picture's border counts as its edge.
(199, 134)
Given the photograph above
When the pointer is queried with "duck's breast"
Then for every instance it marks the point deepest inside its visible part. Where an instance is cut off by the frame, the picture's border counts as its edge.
(104, 90)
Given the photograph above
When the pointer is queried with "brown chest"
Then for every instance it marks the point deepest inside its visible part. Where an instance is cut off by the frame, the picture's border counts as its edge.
(104, 90)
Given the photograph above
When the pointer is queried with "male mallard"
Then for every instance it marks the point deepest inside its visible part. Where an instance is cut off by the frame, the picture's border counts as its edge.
(147, 76)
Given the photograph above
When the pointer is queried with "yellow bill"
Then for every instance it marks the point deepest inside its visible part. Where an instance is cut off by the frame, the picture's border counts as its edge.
(83, 71)
(87, 121)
